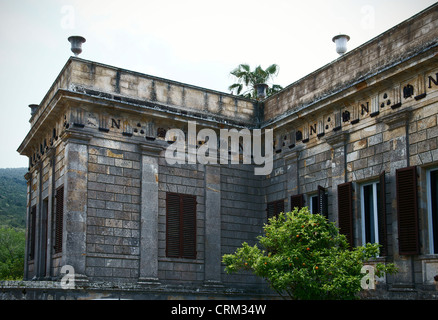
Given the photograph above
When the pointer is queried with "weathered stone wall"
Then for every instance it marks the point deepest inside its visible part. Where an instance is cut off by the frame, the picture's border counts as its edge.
(137, 88)
(243, 214)
(113, 222)
(388, 128)
(50, 290)
(43, 179)
(185, 179)
(100, 132)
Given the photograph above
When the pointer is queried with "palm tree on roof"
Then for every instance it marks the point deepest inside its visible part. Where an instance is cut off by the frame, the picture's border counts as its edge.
(248, 82)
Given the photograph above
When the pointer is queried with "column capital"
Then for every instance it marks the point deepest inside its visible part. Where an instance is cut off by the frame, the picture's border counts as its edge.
(150, 149)
(337, 139)
(396, 120)
(292, 154)
(76, 137)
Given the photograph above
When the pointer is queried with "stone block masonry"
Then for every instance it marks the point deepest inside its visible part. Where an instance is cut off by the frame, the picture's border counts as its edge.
(351, 140)
(114, 206)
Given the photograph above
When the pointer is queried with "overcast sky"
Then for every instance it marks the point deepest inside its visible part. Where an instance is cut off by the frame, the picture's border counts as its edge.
(191, 41)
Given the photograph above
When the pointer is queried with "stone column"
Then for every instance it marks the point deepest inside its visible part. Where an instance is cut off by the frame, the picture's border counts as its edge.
(43, 251)
(28, 177)
(339, 169)
(39, 227)
(148, 273)
(397, 136)
(75, 203)
(292, 174)
(213, 257)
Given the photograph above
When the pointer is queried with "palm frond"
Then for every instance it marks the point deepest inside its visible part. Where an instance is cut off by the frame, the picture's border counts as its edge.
(272, 70)
(237, 86)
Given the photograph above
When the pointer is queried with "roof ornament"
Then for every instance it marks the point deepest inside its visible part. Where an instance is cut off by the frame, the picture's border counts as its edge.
(76, 44)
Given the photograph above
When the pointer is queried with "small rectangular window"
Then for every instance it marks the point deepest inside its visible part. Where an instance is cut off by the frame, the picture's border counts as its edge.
(369, 209)
(373, 213)
(313, 208)
(318, 203)
(432, 208)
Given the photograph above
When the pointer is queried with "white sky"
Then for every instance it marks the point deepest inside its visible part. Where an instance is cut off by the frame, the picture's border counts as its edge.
(191, 41)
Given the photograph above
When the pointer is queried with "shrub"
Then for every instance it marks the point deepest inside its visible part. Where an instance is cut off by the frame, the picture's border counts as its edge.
(305, 257)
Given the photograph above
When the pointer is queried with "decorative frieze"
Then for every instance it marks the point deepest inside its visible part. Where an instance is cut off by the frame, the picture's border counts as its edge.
(383, 103)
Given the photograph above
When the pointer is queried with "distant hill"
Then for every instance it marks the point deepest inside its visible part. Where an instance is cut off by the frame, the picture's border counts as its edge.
(13, 193)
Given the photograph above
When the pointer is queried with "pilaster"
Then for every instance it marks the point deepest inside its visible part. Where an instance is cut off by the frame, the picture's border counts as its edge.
(148, 273)
(339, 166)
(292, 174)
(212, 225)
(75, 202)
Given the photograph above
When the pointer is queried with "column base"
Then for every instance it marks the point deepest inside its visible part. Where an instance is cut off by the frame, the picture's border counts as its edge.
(148, 281)
(213, 284)
(81, 280)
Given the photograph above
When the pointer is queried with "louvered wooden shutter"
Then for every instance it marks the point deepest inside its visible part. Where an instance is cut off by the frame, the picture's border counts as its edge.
(189, 227)
(296, 201)
(59, 218)
(172, 225)
(382, 214)
(322, 202)
(280, 206)
(345, 211)
(407, 211)
(270, 209)
(434, 207)
(180, 226)
(32, 233)
(274, 208)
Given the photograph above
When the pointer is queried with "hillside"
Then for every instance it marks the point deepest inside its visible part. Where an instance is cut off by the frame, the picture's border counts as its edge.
(13, 197)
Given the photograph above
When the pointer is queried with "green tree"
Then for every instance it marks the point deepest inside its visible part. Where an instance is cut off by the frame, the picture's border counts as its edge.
(247, 80)
(305, 257)
(12, 244)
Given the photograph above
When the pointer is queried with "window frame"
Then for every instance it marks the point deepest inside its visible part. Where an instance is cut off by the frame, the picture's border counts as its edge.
(375, 195)
(312, 198)
(431, 231)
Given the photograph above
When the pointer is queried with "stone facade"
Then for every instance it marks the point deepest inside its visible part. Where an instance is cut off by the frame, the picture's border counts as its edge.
(99, 137)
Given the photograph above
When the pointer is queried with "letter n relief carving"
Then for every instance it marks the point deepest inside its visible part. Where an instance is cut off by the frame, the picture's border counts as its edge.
(433, 80)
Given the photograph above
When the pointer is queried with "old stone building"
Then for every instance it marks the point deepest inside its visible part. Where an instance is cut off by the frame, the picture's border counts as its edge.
(356, 140)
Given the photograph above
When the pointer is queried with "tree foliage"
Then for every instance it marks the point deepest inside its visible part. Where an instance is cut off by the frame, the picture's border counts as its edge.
(12, 243)
(305, 257)
(247, 79)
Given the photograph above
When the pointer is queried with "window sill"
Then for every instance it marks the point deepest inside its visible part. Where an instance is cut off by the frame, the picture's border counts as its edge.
(57, 255)
(377, 260)
(181, 260)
